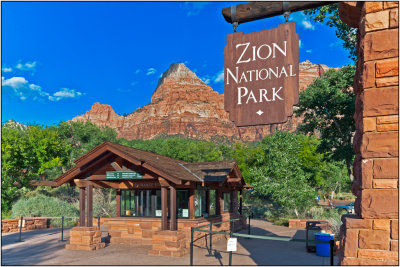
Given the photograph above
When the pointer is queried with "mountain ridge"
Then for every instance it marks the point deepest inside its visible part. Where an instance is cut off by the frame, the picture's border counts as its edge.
(183, 104)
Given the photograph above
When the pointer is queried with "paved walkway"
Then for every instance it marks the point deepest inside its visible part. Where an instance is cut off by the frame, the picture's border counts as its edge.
(42, 247)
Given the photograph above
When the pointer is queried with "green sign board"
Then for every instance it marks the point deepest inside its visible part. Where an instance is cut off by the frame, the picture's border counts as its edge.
(123, 175)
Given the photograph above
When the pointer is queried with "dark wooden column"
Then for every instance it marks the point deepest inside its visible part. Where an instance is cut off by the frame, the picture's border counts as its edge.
(118, 197)
(164, 208)
(191, 203)
(234, 201)
(82, 204)
(219, 202)
(89, 211)
(172, 208)
(241, 202)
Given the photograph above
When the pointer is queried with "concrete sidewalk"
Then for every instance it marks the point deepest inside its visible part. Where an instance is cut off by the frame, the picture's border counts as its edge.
(42, 247)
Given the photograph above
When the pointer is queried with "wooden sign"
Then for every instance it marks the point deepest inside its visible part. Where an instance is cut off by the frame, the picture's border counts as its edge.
(123, 175)
(262, 75)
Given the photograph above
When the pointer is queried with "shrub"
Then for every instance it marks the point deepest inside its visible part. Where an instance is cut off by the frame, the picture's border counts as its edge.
(44, 206)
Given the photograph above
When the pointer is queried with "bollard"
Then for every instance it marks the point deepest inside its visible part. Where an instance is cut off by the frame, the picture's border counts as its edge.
(191, 246)
(20, 231)
(230, 252)
(331, 245)
(62, 230)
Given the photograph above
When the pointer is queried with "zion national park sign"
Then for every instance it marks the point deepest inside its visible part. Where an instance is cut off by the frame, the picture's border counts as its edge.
(262, 75)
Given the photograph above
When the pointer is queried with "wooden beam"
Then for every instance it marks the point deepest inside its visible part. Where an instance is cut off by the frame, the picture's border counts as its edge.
(164, 208)
(89, 211)
(118, 198)
(116, 166)
(191, 203)
(172, 208)
(82, 206)
(260, 10)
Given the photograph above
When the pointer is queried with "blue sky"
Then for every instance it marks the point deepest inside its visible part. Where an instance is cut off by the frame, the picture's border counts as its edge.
(58, 58)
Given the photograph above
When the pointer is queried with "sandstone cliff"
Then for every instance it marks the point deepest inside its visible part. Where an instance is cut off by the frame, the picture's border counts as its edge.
(183, 104)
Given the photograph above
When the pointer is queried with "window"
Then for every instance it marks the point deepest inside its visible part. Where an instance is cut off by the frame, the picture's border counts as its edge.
(197, 203)
(147, 203)
(212, 202)
(141, 203)
(182, 203)
(227, 201)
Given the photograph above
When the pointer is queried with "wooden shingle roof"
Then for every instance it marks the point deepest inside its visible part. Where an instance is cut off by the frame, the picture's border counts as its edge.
(162, 165)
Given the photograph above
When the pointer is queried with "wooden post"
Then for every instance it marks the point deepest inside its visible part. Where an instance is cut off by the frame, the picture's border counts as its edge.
(82, 204)
(172, 208)
(241, 202)
(89, 211)
(118, 203)
(164, 208)
(234, 201)
(191, 203)
(219, 202)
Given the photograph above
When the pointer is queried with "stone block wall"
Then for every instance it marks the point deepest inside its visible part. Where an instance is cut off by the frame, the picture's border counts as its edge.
(85, 238)
(371, 236)
(147, 231)
(11, 225)
(301, 223)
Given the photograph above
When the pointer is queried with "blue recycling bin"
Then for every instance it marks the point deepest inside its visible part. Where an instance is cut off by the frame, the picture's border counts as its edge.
(323, 249)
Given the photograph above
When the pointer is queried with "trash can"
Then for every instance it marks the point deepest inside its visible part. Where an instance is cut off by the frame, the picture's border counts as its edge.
(313, 227)
(323, 249)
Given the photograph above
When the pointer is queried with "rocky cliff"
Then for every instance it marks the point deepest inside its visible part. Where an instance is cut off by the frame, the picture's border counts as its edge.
(183, 104)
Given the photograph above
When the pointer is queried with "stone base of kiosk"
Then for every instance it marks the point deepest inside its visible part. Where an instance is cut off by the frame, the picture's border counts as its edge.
(168, 243)
(85, 238)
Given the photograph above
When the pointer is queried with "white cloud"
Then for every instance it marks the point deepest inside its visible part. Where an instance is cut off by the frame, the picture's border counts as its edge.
(64, 93)
(137, 71)
(301, 19)
(134, 83)
(22, 89)
(309, 51)
(28, 66)
(219, 77)
(194, 8)
(307, 25)
(151, 71)
(206, 80)
(299, 43)
(14, 82)
(6, 69)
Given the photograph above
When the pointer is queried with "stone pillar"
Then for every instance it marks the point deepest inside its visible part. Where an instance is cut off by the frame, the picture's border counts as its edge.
(371, 236)
(85, 238)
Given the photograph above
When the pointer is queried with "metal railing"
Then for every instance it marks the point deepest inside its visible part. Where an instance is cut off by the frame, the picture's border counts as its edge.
(231, 233)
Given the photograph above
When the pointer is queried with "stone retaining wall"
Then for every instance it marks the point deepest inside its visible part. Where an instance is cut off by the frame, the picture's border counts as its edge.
(11, 225)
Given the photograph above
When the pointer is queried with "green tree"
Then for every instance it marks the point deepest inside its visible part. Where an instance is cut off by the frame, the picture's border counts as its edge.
(330, 15)
(328, 106)
(279, 172)
(26, 155)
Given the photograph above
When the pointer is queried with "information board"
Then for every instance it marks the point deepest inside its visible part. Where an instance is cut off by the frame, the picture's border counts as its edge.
(123, 175)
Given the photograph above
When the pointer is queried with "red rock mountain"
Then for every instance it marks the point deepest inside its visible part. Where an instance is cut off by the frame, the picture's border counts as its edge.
(183, 104)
